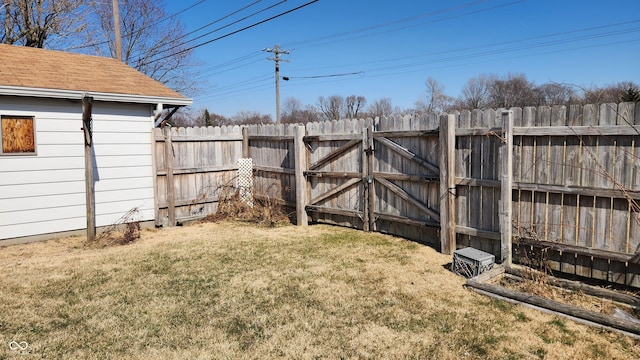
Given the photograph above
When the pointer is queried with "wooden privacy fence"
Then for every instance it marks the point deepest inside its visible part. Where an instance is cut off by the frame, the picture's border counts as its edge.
(194, 167)
(564, 180)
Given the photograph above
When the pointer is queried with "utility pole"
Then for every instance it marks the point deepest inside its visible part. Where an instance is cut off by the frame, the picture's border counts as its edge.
(277, 51)
(116, 29)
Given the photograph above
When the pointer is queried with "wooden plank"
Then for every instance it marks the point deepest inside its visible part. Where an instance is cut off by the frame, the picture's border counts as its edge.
(333, 211)
(200, 138)
(407, 197)
(487, 165)
(588, 130)
(479, 131)
(90, 204)
(330, 137)
(170, 181)
(598, 318)
(333, 174)
(272, 138)
(475, 193)
(506, 179)
(407, 221)
(569, 219)
(199, 170)
(576, 190)
(493, 235)
(572, 170)
(557, 152)
(245, 143)
(366, 181)
(371, 166)
(407, 177)
(407, 154)
(447, 184)
(334, 154)
(463, 164)
(620, 226)
(477, 182)
(300, 151)
(406, 133)
(274, 170)
(335, 191)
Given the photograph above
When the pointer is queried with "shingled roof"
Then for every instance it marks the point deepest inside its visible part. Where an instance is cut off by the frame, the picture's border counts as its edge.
(29, 68)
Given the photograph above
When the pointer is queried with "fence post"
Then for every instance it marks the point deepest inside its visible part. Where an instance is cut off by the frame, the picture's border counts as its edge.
(168, 165)
(506, 186)
(365, 181)
(447, 140)
(300, 151)
(371, 180)
(245, 142)
(87, 127)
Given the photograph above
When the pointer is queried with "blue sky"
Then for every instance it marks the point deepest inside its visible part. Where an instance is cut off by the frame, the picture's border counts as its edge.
(389, 48)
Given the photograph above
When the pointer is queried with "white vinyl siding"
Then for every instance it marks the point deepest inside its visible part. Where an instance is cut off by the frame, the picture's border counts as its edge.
(46, 193)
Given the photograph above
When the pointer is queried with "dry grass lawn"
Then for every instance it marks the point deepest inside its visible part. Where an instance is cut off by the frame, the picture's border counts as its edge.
(238, 291)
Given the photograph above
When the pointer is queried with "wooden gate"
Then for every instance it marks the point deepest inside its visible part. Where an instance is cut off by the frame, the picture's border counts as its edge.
(386, 179)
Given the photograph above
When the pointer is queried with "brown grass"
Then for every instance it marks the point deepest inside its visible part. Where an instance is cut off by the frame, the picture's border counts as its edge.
(235, 290)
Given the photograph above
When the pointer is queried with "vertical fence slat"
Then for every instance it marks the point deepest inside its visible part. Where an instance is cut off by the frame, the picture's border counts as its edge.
(168, 166)
(447, 184)
(506, 185)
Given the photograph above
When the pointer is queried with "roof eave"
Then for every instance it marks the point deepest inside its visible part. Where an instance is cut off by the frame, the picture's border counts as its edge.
(98, 96)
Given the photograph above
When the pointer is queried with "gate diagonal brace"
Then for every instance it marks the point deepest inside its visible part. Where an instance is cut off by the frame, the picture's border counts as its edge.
(407, 154)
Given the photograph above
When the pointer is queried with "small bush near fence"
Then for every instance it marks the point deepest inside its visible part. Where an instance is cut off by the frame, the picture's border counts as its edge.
(263, 211)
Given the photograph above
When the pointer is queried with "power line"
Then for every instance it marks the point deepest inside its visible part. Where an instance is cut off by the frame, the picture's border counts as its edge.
(220, 19)
(287, 78)
(231, 33)
(219, 28)
(432, 13)
(489, 45)
(376, 26)
(390, 70)
(140, 30)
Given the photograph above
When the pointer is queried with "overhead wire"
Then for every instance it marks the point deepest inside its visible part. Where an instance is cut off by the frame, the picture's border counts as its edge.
(231, 33)
(432, 13)
(419, 66)
(141, 29)
(296, 45)
(221, 27)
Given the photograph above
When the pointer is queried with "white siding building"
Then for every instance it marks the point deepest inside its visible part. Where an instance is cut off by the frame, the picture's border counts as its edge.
(42, 168)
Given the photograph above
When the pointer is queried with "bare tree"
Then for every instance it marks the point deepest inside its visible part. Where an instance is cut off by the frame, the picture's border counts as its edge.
(154, 48)
(42, 23)
(293, 112)
(512, 90)
(207, 118)
(332, 107)
(353, 105)
(608, 93)
(555, 94)
(251, 117)
(435, 99)
(381, 108)
(475, 93)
